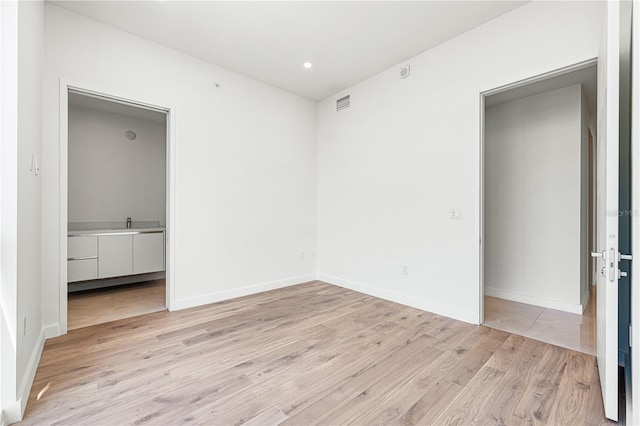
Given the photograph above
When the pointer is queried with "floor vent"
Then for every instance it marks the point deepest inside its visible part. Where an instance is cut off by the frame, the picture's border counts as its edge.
(343, 103)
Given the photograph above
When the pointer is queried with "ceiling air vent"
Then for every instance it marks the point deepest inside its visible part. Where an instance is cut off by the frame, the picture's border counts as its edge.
(343, 103)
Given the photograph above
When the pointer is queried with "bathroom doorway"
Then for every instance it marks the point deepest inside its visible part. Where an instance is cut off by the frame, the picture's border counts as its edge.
(116, 256)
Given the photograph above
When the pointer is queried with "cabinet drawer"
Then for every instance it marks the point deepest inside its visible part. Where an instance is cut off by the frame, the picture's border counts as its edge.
(82, 247)
(81, 270)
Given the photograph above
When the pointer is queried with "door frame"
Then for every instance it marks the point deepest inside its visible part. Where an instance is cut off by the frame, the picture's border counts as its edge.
(481, 158)
(634, 338)
(136, 101)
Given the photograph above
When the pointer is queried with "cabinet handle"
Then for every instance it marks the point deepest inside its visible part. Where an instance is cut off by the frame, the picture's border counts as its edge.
(81, 258)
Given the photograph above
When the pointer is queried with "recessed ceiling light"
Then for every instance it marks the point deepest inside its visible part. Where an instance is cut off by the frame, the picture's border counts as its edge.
(307, 65)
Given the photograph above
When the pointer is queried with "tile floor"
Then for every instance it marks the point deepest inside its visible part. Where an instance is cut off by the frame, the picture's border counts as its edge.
(572, 331)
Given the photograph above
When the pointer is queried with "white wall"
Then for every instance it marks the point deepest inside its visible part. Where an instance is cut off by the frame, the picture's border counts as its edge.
(245, 161)
(30, 69)
(393, 165)
(22, 65)
(8, 203)
(533, 202)
(111, 177)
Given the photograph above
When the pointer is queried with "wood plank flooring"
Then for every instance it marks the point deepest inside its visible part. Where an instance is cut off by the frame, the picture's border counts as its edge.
(305, 355)
(102, 305)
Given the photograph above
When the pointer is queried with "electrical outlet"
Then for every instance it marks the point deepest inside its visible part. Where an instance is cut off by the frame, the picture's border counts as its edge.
(301, 255)
(455, 213)
(405, 270)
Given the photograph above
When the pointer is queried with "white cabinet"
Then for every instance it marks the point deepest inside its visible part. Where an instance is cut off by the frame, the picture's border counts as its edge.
(90, 257)
(148, 253)
(82, 270)
(115, 255)
(82, 258)
(84, 246)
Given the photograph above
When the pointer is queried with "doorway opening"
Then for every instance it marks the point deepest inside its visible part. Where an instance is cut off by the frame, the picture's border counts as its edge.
(117, 209)
(538, 208)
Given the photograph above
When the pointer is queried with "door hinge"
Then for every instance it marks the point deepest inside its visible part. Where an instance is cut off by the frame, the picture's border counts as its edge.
(630, 335)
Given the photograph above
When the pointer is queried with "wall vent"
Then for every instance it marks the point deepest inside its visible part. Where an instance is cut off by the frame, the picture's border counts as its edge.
(343, 103)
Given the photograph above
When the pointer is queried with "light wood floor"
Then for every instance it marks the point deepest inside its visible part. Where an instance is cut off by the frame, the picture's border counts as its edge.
(571, 331)
(308, 354)
(102, 305)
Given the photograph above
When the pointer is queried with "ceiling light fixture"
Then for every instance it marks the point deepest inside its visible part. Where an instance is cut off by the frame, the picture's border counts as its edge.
(307, 65)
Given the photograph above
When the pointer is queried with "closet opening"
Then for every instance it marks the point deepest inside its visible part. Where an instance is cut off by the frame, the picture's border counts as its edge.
(539, 208)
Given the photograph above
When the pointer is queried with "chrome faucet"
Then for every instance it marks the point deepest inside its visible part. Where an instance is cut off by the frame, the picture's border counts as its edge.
(128, 222)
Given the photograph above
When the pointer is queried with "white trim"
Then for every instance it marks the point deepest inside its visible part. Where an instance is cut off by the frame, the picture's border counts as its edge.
(540, 77)
(52, 330)
(15, 411)
(574, 308)
(414, 302)
(132, 99)
(30, 374)
(586, 295)
(633, 417)
(63, 213)
(170, 231)
(219, 296)
(11, 413)
(117, 99)
(478, 318)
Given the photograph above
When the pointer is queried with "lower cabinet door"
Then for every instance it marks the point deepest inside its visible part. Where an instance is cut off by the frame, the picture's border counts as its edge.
(115, 255)
(81, 270)
(148, 253)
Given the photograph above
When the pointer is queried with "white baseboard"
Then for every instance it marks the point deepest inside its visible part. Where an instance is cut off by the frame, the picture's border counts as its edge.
(585, 299)
(574, 308)
(14, 411)
(414, 302)
(206, 299)
(11, 413)
(52, 330)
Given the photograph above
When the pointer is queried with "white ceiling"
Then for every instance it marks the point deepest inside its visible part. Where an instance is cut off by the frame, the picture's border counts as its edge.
(346, 41)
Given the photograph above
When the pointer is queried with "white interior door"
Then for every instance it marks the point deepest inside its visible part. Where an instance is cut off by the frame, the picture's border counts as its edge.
(607, 210)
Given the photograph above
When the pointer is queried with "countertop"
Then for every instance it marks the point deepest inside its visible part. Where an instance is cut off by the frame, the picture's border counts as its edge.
(115, 231)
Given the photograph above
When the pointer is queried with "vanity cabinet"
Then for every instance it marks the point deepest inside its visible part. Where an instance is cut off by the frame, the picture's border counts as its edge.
(114, 254)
